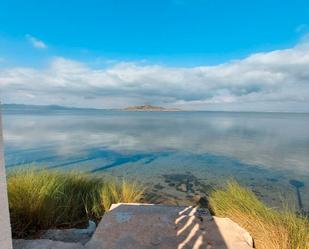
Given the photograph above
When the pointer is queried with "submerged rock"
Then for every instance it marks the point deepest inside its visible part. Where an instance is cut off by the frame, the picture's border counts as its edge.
(182, 187)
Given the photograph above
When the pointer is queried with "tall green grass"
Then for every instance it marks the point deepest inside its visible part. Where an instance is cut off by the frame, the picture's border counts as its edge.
(270, 229)
(45, 199)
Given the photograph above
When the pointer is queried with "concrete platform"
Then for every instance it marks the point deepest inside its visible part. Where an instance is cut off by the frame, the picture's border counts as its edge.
(44, 244)
(143, 226)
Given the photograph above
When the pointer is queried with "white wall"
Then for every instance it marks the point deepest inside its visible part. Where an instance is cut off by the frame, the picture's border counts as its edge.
(5, 228)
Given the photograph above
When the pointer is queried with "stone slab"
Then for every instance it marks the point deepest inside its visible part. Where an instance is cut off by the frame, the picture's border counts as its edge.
(146, 226)
(44, 244)
(70, 235)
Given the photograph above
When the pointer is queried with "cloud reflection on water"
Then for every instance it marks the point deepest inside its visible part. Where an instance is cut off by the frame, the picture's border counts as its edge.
(278, 141)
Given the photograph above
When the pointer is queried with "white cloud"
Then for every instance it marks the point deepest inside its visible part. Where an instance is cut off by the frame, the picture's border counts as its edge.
(35, 42)
(272, 81)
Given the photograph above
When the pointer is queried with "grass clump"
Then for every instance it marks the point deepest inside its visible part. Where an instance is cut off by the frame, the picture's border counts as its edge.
(46, 199)
(113, 192)
(270, 229)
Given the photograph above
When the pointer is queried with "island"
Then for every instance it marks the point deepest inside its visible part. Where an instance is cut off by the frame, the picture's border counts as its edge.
(150, 108)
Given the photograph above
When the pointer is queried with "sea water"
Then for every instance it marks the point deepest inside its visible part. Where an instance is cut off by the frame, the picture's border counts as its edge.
(178, 156)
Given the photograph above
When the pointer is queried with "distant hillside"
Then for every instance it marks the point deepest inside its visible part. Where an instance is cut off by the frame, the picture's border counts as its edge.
(148, 108)
(16, 108)
(32, 107)
(20, 108)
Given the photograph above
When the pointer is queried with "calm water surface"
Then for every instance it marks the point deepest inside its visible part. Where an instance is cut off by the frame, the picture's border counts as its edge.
(177, 155)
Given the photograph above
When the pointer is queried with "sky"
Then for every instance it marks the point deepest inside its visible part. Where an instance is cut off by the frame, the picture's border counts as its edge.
(195, 55)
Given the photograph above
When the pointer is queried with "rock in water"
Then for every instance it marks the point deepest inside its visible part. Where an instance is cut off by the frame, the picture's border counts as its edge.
(203, 202)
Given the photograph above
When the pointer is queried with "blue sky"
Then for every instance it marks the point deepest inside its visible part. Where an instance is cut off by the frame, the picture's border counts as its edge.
(167, 31)
(170, 34)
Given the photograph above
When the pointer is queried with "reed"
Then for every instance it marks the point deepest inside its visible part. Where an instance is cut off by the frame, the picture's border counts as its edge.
(48, 199)
(270, 229)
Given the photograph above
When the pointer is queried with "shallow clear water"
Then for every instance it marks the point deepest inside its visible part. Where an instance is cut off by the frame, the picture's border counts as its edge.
(176, 154)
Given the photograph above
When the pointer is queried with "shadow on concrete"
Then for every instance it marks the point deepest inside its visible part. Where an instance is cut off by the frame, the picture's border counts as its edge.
(196, 229)
(143, 226)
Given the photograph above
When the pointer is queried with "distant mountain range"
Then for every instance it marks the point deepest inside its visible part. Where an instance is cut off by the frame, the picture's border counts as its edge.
(47, 107)
(50, 108)
(21, 107)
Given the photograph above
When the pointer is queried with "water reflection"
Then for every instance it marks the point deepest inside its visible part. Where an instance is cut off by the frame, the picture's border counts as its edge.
(244, 145)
